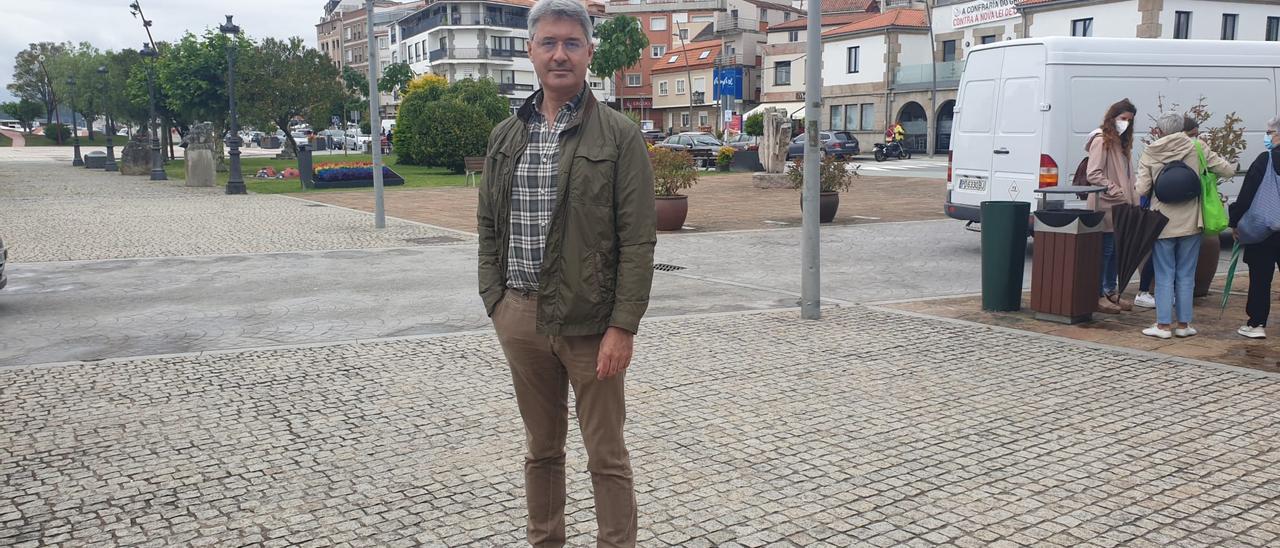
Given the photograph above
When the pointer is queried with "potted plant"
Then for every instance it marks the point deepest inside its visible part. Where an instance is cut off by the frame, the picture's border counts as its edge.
(834, 177)
(724, 157)
(673, 171)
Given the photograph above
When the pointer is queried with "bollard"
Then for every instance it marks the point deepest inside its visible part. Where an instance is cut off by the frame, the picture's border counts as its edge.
(304, 165)
(1004, 252)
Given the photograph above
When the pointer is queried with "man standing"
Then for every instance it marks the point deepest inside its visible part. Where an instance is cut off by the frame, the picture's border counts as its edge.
(566, 223)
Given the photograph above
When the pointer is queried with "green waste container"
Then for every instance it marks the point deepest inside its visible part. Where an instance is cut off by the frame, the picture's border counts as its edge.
(1004, 252)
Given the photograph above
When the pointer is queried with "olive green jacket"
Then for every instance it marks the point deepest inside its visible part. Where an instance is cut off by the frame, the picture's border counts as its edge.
(597, 266)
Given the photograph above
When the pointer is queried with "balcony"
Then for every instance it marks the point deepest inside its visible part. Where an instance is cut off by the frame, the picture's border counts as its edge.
(650, 6)
(730, 59)
(729, 24)
(437, 55)
(510, 88)
(699, 97)
(918, 77)
(508, 53)
(414, 28)
(458, 54)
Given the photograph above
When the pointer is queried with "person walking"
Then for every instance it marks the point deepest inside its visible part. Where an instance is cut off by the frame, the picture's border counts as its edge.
(566, 228)
(1177, 248)
(1110, 166)
(1262, 257)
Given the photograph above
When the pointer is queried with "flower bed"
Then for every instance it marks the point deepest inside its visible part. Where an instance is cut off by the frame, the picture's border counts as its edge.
(351, 175)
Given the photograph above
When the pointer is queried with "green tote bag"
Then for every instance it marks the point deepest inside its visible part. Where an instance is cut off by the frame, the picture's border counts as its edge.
(1215, 216)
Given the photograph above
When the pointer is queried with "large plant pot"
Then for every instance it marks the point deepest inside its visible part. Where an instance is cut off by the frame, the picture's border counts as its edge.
(1207, 264)
(828, 203)
(672, 211)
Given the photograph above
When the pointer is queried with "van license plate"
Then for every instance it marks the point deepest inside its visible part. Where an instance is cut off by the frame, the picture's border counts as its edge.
(977, 184)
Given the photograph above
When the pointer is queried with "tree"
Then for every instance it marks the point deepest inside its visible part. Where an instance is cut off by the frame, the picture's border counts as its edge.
(25, 111)
(754, 125)
(395, 78)
(287, 80)
(622, 43)
(357, 82)
(125, 96)
(29, 78)
(433, 84)
(442, 127)
(482, 94)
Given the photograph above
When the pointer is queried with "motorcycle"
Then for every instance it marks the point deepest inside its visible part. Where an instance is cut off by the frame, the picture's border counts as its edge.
(891, 150)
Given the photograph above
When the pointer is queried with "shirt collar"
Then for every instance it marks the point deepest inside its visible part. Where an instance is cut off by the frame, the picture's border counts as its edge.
(533, 105)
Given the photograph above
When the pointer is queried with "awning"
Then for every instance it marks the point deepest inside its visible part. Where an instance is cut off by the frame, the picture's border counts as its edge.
(795, 108)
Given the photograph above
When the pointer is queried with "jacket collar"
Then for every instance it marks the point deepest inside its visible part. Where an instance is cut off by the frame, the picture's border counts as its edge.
(580, 103)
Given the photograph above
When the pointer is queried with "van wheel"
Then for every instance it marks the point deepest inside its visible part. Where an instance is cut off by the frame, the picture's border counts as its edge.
(879, 155)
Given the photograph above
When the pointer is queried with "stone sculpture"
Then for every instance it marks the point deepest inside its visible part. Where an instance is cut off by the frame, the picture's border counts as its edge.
(200, 156)
(135, 159)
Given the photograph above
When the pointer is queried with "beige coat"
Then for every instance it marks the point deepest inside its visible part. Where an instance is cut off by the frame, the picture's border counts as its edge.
(1185, 218)
(1111, 169)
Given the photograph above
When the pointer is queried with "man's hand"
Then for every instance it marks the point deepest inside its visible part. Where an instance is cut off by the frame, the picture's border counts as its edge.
(615, 352)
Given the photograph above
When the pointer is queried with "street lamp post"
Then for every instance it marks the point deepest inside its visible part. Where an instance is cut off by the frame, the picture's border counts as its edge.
(235, 180)
(76, 160)
(157, 165)
(108, 127)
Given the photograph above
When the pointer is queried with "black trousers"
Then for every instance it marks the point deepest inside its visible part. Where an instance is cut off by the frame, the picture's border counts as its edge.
(1263, 259)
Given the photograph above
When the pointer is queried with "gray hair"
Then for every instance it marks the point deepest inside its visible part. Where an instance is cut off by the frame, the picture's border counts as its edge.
(1170, 122)
(1274, 124)
(573, 10)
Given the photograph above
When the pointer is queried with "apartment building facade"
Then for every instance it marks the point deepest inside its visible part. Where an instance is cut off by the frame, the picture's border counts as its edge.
(479, 39)
(342, 34)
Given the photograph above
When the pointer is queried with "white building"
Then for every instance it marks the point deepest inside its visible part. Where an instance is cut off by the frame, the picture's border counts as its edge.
(478, 39)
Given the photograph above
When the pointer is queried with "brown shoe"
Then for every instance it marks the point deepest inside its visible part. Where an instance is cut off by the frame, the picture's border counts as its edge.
(1105, 306)
(1124, 304)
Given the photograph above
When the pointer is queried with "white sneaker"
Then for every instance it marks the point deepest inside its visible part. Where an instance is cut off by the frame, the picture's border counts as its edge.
(1145, 300)
(1184, 333)
(1155, 331)
(1252, 332)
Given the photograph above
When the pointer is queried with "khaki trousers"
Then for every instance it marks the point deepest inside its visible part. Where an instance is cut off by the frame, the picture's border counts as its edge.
(542, 370)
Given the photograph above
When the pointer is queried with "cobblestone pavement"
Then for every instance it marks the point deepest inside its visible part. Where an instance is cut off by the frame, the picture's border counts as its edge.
(746, 430)
(57, 213)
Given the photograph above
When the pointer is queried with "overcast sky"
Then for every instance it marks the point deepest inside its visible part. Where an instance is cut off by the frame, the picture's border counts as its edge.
(108, 25)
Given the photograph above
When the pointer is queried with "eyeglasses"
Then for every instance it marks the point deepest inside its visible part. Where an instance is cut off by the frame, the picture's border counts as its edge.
(571, 46)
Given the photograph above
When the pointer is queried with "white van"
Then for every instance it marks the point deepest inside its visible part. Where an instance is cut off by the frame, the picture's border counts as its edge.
(1025, 107)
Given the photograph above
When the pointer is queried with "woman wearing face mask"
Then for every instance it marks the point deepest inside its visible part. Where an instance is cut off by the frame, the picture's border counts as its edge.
(1110, 166)
(1262, 257)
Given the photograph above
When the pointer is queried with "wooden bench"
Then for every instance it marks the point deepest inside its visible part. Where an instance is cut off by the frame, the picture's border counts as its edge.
(475, 167)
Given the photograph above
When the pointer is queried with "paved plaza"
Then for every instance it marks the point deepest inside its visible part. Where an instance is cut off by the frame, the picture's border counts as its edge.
(181, 367)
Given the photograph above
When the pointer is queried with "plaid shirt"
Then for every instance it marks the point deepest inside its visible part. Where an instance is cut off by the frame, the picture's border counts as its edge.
(533, 193)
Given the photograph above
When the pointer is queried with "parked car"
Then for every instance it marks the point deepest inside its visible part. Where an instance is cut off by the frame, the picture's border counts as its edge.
(356, 140)
(703, 146)
(742, 141)
(653, 136)
(840, 144)
(4, 256)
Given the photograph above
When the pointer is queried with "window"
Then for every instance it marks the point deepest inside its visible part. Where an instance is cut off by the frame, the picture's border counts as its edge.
(793, 36)
(684, 119)
(633, 80)
(868, 116)
(837, 116)
(662, 87)
(851, 59)
(764, 14)
(1182, 25)
(786, 16)
(673, 58)
(704, 54)
(658, 51)
(684, 34)
(851, 117)
(382, 42)
(948, 51)
(349, 56)
(782, 73)
(1273, 29)
(989, 39)
(703, 120)
(1229, 26)
(1082, 27)
(348, 29)
(657, 23)
(680, 86)
(507, 76)
(700, 84)
(508, 43)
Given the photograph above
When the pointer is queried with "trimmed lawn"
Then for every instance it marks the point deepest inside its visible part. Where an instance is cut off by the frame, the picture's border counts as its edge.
(5, 141)
(42, 141)
(414, 176)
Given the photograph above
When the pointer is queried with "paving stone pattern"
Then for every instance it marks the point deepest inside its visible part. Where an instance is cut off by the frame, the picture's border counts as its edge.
(60, 213)
(745, 430)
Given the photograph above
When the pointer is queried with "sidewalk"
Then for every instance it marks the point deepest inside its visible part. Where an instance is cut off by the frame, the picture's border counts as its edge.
(717, 203)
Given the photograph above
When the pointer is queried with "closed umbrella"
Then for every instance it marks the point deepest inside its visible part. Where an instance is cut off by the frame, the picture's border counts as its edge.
(1136, 231)
(1231, 277)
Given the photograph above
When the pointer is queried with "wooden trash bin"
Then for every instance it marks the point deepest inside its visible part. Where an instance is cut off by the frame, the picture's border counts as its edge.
(1066, 268)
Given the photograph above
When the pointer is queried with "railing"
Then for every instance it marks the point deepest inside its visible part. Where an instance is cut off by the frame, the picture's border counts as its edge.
(508, 53)
(458, 53)
(437, 54)
(699, 97)
(728, 59)
(726, 23)
(508, 88)
(908, 77)
(641, 6)
(506, 21)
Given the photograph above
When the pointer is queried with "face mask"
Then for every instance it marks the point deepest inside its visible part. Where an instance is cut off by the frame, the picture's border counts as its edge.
(1266, 141)
(1122, 126)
